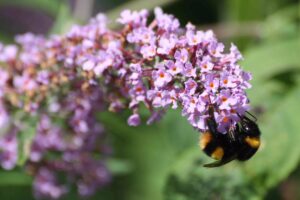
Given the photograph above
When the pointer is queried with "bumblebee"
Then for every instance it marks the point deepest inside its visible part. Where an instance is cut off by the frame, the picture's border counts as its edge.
(248, 138)
(240, 143)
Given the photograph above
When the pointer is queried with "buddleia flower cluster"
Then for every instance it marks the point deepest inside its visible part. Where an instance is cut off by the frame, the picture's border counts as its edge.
(51, 90)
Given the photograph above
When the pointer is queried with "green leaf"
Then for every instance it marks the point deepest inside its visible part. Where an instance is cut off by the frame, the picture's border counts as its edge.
(280, 153)
(6, 38)
(119, 167)
(8, 192)
(25, 138)
(266, 61)
(15, 178)
(282, 24)
(151, 150)
(239, 10)
(272, 58)
(64, 20)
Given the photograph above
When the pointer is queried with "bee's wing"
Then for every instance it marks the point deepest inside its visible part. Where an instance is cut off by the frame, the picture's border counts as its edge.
(219, 163)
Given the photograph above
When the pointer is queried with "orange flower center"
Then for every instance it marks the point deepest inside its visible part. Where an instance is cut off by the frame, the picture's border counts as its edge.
(161, 75)
(224, 99)
(139, 89)
(225, 119)
(194, 40)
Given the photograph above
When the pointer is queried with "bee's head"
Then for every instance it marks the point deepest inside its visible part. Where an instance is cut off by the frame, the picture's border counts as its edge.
(249, 126)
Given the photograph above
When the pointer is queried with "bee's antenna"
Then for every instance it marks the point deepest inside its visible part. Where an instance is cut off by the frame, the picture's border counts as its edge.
(255, 119)
(247, 118)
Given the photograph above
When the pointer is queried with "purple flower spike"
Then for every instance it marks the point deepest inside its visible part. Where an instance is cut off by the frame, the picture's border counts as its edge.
(64, 81)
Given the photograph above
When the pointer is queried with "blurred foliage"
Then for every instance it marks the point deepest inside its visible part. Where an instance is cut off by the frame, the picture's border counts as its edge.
(162, 161)
(63, 20)
(25, 137)
(48, 6)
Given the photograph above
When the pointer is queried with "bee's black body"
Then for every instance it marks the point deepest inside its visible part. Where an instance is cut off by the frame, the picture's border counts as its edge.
(241, 142)
(249, 139)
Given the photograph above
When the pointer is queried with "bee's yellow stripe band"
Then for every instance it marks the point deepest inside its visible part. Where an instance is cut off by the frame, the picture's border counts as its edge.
(218, 153)
(253, 142)
(205, 139)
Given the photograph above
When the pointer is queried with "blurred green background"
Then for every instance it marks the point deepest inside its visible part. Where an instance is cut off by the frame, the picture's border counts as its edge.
(162, 161)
